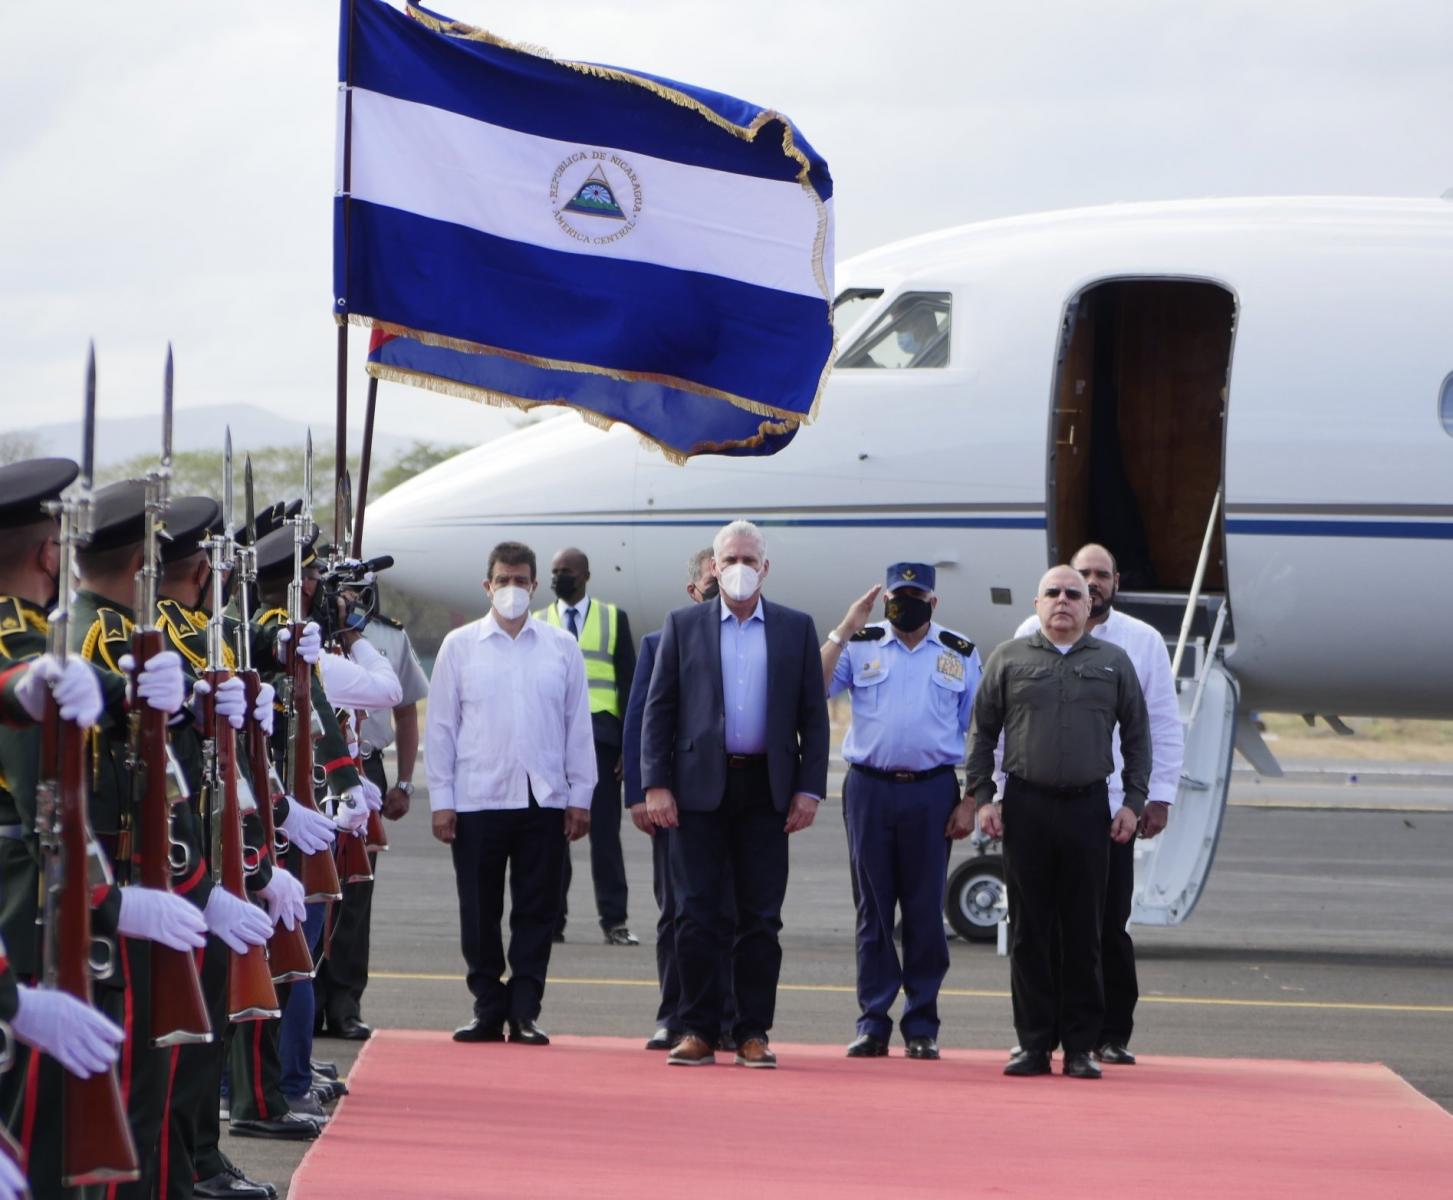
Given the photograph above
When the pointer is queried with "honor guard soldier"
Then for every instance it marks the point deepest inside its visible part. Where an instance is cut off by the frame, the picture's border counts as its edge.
(1057, 697)
(183, 608)
(102, 623)
(604, 635)
(912, 684)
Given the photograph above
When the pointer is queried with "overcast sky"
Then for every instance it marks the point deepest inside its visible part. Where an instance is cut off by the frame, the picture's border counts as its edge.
(166, 168)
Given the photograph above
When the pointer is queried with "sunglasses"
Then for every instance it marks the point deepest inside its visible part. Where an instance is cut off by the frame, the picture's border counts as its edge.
(1069, 593)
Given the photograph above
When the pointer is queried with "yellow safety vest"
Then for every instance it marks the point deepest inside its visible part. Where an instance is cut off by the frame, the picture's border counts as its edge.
(598, 645)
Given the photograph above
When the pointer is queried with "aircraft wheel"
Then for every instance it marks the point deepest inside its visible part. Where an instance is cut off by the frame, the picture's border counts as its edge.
(977, 898)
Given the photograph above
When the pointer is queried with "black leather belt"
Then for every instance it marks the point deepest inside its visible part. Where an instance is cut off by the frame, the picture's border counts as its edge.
(745, 762)
(1083, 789)
(904, 776)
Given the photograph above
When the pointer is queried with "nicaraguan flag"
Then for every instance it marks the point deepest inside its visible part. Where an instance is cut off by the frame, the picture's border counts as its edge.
(535, 231)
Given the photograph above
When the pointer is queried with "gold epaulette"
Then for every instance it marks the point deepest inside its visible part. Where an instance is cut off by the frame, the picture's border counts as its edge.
(108, 639)
(15, 617)
(278, 614)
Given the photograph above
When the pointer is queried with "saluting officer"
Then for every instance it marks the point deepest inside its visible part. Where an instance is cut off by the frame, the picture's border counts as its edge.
(604, 634)
(1057, 697)
(912, 683)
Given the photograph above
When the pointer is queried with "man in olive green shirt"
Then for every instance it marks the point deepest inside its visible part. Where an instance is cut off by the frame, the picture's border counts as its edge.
(1057, 696)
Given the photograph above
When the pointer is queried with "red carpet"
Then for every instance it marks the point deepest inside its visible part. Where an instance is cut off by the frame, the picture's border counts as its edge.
(600, 1117)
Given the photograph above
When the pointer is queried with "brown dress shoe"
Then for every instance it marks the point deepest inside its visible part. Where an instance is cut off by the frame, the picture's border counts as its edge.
(753, 1052)
(691, 1051)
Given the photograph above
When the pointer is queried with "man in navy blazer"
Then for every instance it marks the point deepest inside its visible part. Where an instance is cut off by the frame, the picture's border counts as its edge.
(734, 752)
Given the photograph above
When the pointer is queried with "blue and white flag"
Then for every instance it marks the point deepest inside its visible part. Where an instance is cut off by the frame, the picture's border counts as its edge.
(538, 231)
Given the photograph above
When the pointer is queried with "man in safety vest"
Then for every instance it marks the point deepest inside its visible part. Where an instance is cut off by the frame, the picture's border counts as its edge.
(604, 635)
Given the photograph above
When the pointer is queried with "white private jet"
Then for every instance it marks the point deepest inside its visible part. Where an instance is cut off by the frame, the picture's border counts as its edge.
(1249, 401)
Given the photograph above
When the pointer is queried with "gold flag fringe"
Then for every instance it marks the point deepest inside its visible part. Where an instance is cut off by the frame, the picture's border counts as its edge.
(561, 364)
(466, 391)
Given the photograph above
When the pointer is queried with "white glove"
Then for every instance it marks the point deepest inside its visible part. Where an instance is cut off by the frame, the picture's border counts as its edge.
(12, 1182)
(71, 1032)
(284, 896)
(235, 921)
(309, 831)
(310, 645)
(158, 916)
(77, 691)
(262, 712)
(352, 814)
(231, 699)
(160, 683)
(371, 795)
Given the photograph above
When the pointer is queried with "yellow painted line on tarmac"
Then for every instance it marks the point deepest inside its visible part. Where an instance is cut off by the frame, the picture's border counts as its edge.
(976, 994)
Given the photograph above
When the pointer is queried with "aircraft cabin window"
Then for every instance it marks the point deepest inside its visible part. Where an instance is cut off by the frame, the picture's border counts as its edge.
(913, 332)
(1445, 406)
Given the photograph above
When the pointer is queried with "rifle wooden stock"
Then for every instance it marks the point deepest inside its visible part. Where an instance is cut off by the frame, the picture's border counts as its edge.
(178, 1008)
(353, 864)
(374, 837)
(287, 949)
(97, 1146)
(250, 994)
(319, 876)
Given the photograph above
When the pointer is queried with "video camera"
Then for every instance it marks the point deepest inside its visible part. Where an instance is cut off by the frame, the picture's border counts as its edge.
(356, 577)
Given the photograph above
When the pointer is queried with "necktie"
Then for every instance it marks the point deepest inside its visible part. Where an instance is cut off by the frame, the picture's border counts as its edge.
(572, 623)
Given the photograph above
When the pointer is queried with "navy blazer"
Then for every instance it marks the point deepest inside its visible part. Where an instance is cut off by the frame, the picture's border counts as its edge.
(635, 710)
(683, 740)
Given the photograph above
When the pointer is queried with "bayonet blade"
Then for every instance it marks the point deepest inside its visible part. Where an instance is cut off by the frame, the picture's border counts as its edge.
(166, 413)
(88, 422)
(250, 500)
(308, 479)
(345, 506)
(227, 530)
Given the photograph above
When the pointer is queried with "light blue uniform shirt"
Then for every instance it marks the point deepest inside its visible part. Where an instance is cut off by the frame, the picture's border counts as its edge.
(744, 681)
(910, 707)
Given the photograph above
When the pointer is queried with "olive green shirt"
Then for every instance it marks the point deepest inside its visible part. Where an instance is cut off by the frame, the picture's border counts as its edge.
(1057, 713)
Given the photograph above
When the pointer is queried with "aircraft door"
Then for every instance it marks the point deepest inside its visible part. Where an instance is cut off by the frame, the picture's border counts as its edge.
(1171, 870)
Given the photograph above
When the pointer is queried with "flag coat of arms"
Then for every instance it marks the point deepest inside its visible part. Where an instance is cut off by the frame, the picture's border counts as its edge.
(523, 230)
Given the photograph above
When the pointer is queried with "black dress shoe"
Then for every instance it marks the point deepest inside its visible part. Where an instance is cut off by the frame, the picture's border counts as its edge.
(528, 1033)
(288, 1128)
(922, 1047)
(1117, 1054)
(663, 1039)
(1080, 1066)
(479, 1031)
(1028, 1062)
(865, 1045)
(353, 1030)
(232, 1184)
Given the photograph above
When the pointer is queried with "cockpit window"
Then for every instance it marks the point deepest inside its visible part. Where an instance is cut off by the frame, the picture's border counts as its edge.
(913, 332)
(1445, 406)
(848, 308)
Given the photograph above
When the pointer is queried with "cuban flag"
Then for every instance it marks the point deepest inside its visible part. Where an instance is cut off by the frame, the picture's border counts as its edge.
(523, 230)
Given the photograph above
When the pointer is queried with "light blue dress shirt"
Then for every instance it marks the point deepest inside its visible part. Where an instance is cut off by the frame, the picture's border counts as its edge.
(744, 681)
(910, 707)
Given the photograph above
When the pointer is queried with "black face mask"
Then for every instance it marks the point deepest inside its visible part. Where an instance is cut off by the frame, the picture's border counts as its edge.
(710, 590)
(907, 613)
(564, 584)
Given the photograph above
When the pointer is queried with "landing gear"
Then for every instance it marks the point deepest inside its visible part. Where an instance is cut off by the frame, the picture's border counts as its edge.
(977, 897)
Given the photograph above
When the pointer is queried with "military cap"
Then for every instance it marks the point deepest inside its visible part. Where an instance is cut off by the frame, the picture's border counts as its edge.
(25, 487)
(118, 515)
(910, 574)
(189, 521)
(269, 519)
(275, 553)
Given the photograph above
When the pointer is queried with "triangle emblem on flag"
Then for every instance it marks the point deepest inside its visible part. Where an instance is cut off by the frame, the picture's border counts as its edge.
(594, 198)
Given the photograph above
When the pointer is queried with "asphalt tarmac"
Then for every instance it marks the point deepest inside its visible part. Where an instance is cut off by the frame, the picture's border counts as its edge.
(1325, 932)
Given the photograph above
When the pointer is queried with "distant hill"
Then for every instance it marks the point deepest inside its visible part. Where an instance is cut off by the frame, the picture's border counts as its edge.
(121, 438)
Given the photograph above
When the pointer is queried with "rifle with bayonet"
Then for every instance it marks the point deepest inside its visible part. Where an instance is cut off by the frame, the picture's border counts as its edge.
(319, 875)
(250, 994)
(178, 1008)
(287, 949)
(96, 1140)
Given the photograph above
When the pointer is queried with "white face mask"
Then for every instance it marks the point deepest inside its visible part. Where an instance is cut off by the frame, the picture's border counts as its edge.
(740, 581)
(510, 602)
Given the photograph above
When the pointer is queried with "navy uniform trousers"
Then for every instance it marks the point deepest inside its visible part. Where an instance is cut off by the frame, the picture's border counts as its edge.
(899, 858)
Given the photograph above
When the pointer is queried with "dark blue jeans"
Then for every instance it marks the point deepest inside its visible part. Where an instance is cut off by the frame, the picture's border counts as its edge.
(295, 1033)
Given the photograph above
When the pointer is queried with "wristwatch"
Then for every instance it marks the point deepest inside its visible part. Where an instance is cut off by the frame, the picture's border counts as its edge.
(406, 786)
(835, 638)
